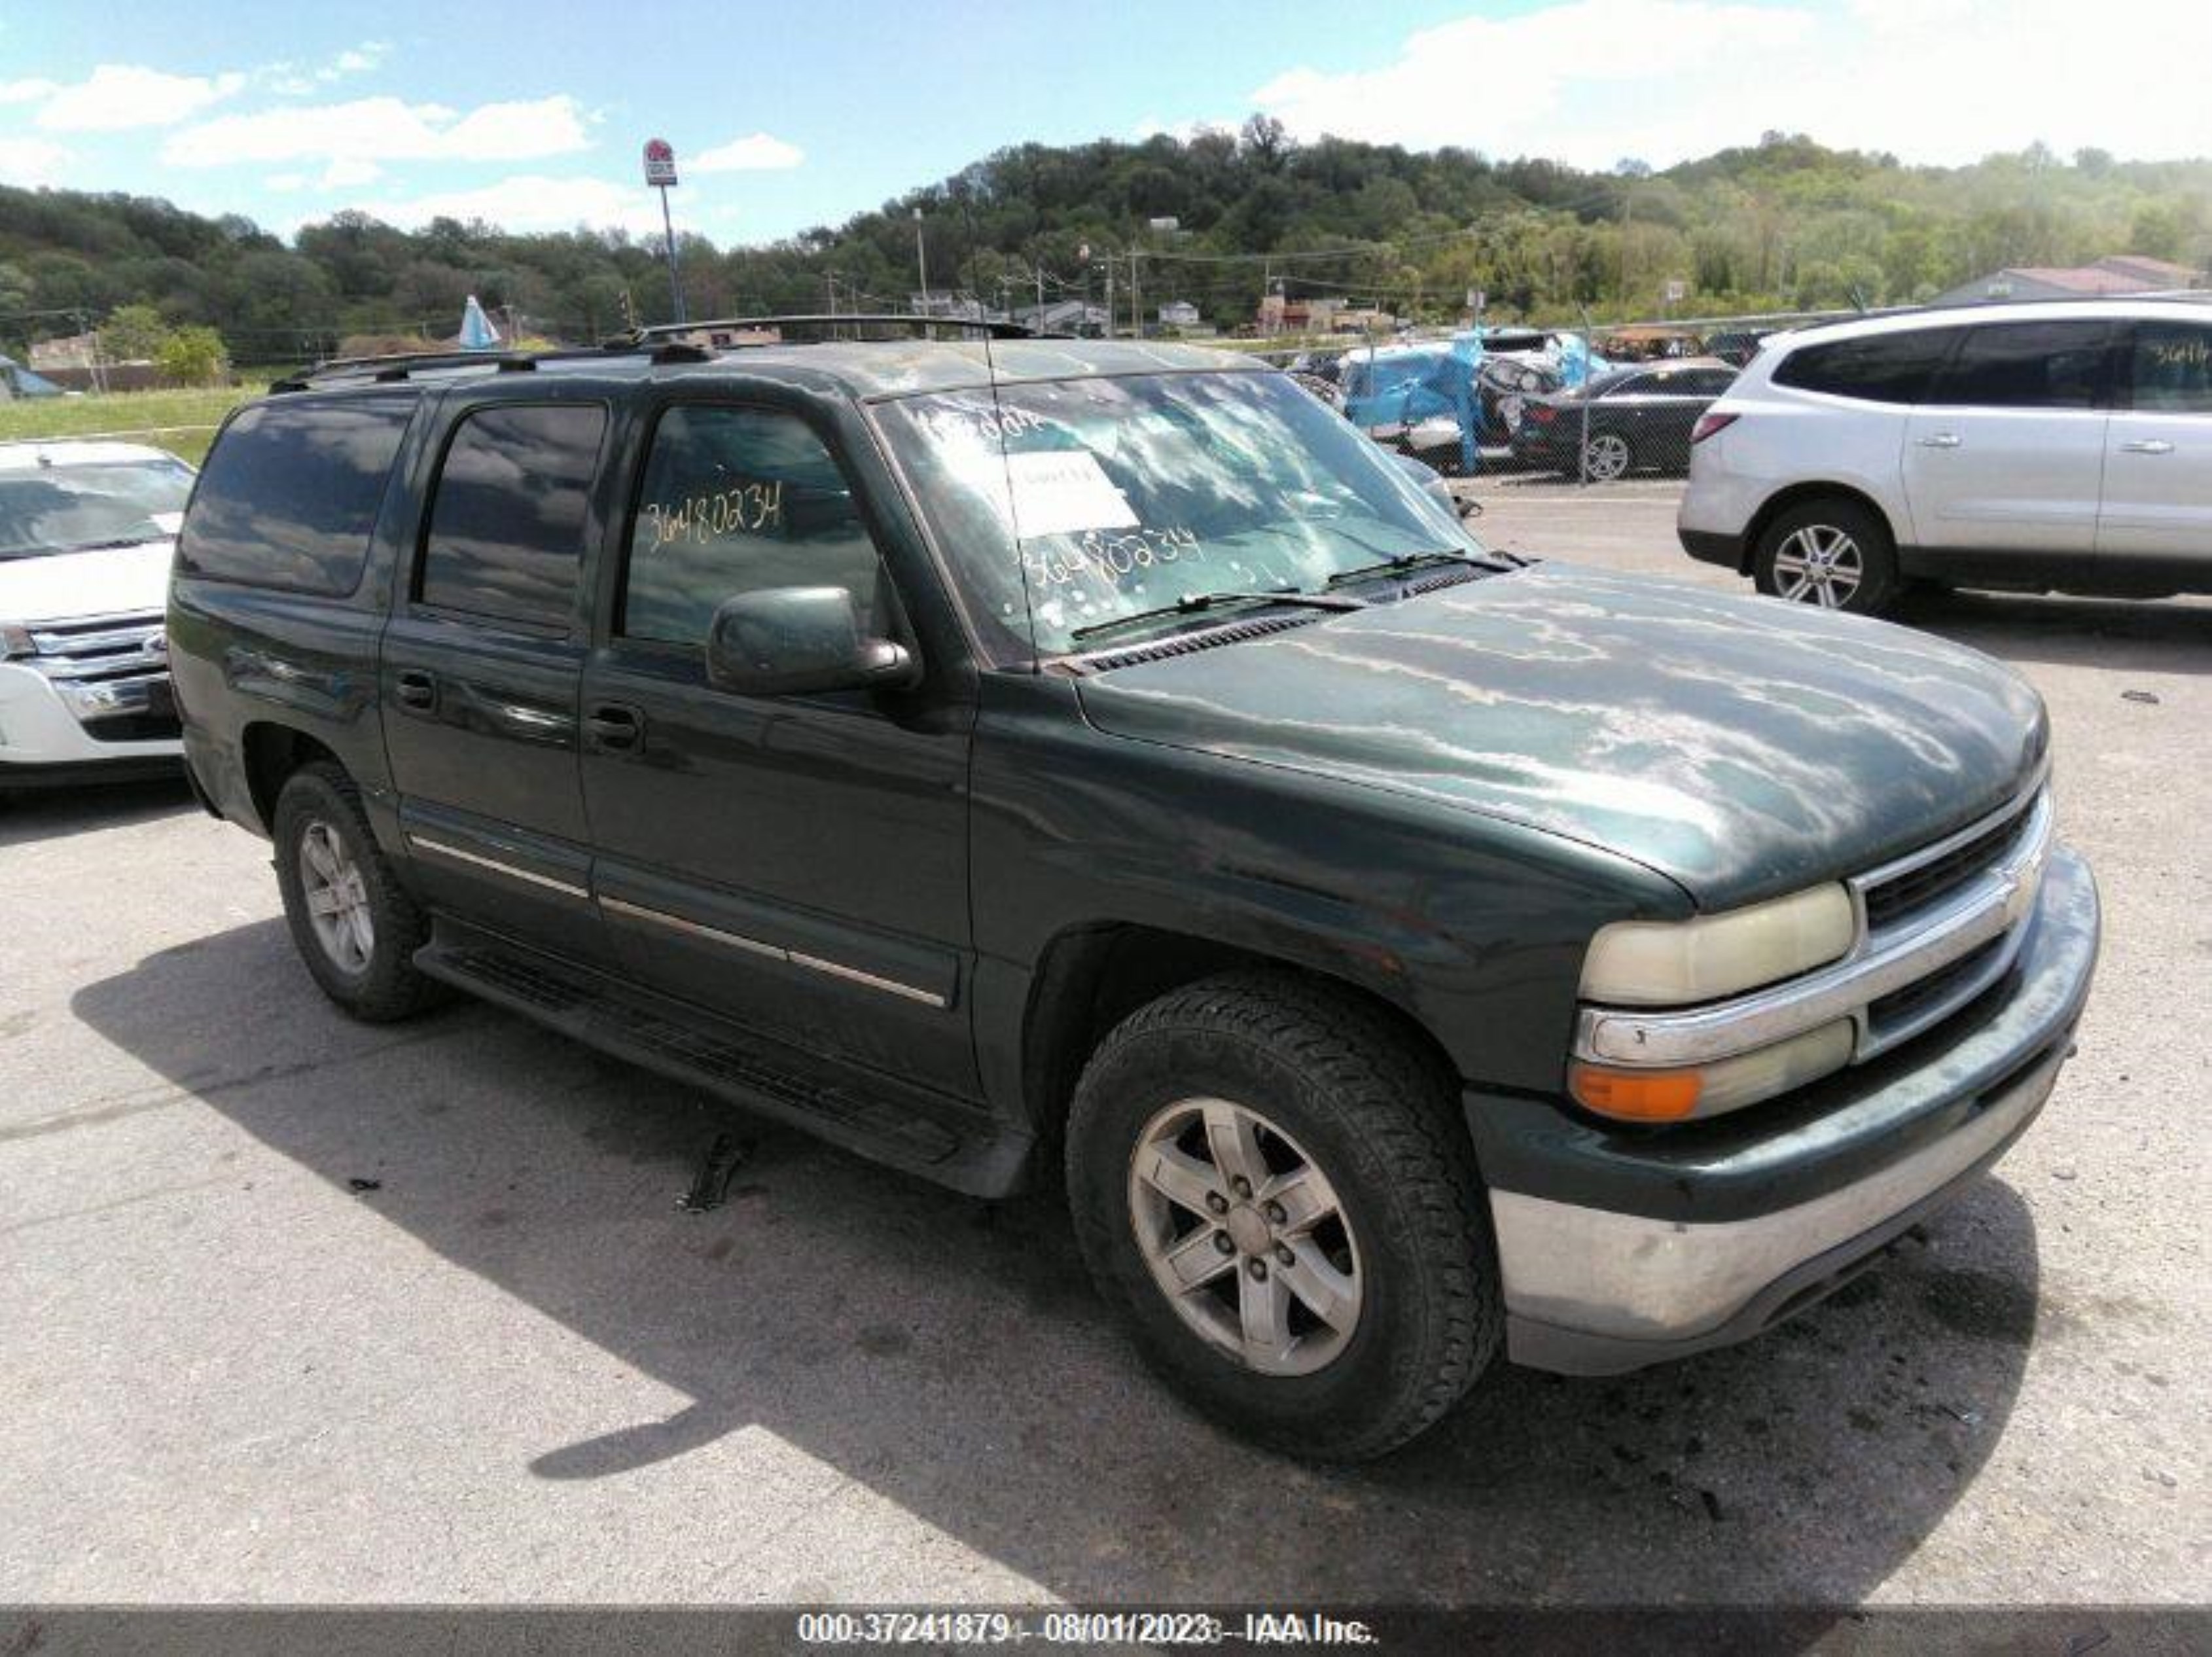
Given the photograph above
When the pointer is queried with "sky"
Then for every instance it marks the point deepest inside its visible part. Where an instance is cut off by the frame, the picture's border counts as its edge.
(783, 117)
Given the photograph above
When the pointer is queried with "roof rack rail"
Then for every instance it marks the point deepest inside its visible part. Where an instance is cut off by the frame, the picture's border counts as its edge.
(406, 365)
(845, 318)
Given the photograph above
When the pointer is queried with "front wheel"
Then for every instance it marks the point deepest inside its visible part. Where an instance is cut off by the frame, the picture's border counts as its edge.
(1836, 555)
(1606, 457)
(1271, 1184)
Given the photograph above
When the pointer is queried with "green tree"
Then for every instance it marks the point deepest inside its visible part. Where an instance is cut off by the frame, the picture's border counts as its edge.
(194, 356)
(133, 333)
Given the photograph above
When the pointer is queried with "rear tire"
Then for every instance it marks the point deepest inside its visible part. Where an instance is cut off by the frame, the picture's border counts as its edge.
(1833, 553)
(1340, 1321)
(354, 925)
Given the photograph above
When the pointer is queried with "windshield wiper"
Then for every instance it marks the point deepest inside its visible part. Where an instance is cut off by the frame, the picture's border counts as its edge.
(1407, 561)
(1194, 603)
(111, 546)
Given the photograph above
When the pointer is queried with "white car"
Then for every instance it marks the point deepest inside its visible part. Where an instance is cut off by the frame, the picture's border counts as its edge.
(86, 532)
(2062, 446)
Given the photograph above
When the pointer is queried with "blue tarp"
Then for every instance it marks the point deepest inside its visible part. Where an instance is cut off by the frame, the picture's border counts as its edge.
(1404, 385)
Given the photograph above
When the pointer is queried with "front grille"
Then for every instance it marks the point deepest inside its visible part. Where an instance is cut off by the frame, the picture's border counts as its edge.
(1901, 1009)
(1920, 888)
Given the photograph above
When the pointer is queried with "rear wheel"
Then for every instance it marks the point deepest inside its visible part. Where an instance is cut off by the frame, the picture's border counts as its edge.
(353, 923)
(1834, 553)
(1271, 1184)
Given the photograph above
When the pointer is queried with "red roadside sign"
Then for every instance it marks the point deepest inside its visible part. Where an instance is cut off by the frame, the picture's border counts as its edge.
(659, 162)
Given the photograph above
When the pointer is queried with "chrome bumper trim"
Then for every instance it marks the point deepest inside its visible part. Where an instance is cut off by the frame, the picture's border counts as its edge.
(1627, 1277)
(1987, 907)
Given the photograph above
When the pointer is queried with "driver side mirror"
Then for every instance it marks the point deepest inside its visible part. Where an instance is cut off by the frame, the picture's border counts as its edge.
(787, 642)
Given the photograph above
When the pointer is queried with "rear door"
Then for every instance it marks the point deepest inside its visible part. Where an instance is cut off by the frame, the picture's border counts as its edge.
(2007, 454)
(2158, 465)
(481, 667)
(797, 863)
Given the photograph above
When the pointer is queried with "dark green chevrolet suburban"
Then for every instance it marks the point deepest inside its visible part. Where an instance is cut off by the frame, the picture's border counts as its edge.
(1021, 759)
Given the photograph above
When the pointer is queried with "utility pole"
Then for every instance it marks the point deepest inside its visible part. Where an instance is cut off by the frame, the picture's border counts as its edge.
(1136, 304)
(1111, 326)
(922, 261)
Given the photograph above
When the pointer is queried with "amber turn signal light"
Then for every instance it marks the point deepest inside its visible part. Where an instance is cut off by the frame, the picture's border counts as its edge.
(1636, 1096)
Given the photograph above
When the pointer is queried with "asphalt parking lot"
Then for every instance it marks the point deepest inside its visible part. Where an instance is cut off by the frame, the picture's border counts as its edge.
(300, 1310)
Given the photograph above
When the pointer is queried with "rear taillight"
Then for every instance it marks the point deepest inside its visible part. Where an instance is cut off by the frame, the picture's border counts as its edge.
(1709, 423)
(1543, 413)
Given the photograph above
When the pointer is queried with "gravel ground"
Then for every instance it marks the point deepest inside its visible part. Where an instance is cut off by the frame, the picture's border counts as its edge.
(300, 1310)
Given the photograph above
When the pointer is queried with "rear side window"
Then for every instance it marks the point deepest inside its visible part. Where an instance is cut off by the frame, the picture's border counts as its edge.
(1875, 368)
(2028, 365)
(735, 501)
(290, 493)
(2170, 366)
(505, 536)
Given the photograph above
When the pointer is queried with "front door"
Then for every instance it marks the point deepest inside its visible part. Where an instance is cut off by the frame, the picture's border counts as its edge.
(799, 863)
(2158, 470)
(481, 667)
(2007, 454)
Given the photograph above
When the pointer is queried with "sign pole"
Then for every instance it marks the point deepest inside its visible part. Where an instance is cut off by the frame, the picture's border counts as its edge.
(675, 280)
(660, 174)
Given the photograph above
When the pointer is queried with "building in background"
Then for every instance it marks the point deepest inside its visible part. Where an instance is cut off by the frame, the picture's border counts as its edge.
(2119, 275)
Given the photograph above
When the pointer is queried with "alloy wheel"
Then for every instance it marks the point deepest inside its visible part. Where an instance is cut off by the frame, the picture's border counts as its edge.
(1605, 457)
(336, 897)
(1245, 1235)
(1819, 564)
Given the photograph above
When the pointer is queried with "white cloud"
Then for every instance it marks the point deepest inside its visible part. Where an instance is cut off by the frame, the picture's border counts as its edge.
(758, 153)
(527, 201)
(118, 96)
(350, 172)
(27, 92)
(1590, 82)
(30, 161)
(383, 128)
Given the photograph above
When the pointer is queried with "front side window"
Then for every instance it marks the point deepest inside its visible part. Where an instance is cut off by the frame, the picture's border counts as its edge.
(736, 501)
(78, 506)
(506, 537)
(1066, 509)
(2171, 368)
(292, 490)
(1890, 367)
(2028, 365)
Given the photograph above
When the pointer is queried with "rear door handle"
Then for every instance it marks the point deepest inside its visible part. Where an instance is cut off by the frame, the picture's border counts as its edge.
(1940, 440)
(614, 726)
(2148, 446)
(416, 689)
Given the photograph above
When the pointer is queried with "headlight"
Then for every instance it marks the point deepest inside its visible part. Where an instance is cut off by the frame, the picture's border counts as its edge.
(1644, 963)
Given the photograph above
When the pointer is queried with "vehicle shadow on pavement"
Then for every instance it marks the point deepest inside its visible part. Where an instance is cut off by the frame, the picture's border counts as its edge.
(950, 1356)
(2138, 635)
(36, 814)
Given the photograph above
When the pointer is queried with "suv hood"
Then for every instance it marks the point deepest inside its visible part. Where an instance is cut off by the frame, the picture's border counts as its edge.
(1742, 747)
(62, 586)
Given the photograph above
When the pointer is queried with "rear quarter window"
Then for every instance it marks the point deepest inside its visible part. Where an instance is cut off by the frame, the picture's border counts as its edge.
(290, 493)
(1896, 367)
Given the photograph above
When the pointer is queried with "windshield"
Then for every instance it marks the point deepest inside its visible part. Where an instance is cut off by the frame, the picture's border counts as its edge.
(1132, 495)
(68, 508)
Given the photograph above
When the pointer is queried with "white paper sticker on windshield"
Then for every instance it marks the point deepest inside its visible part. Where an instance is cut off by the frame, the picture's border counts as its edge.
(167, 522)
(1064, 492)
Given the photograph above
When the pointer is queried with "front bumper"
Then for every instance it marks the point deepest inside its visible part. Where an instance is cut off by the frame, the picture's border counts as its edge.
(1619, 1249)
(61, 727)
(1712, 546)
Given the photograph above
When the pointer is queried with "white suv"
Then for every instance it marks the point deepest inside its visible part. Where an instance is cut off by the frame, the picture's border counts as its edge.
(86, 532)
(2061, 446)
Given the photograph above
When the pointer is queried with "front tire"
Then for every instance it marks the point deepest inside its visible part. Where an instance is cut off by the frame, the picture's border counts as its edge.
(1606, 457)
(1834, 553)
(1271, 1184)
(354, 925)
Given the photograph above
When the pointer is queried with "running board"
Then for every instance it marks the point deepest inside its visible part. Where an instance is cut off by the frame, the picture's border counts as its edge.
(889, 1122)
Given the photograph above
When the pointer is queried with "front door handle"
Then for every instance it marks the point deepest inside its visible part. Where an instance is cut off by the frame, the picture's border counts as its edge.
(2148, 446)
(1940, 440)
(416, 689)
(615, 725)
